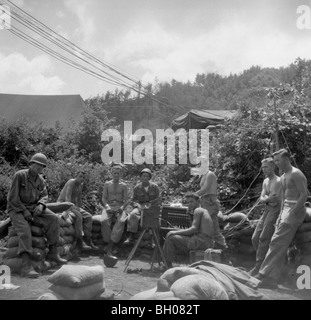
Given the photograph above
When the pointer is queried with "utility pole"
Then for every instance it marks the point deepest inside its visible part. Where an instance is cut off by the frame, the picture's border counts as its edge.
(276, 132)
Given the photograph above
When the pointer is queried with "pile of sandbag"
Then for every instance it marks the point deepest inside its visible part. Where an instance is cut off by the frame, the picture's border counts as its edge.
(302, 239)
(97, 237)
(76, 282)
(67, 235)
(238, 232)
(204, 280)
(40, 250)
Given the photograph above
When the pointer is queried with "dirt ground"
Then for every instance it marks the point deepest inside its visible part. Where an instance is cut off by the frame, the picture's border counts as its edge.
(121, 285)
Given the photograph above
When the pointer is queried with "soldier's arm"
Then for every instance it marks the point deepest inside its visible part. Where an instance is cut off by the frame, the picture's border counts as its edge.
(13, 195)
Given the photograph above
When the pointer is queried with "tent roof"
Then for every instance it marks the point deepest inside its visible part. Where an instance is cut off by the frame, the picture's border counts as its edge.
(44, 108)
(200, 119)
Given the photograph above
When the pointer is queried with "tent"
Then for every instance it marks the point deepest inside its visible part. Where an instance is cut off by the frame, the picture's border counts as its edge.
(201, 119)
(46, 109)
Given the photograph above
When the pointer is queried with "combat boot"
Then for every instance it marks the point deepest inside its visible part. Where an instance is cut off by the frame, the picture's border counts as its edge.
(27, 270)
(54, 256)
(90, 243)
(81, 245)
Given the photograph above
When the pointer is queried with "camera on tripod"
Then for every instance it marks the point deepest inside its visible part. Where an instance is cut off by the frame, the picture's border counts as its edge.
(150, 217)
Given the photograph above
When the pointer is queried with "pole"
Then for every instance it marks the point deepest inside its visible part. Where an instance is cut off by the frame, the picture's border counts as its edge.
(276, 132)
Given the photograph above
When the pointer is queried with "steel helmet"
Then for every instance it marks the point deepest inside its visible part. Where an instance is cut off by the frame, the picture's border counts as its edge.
(147, 171)
(110, 261)
(39, 158)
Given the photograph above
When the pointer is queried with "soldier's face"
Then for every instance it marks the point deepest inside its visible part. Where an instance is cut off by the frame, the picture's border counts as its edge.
(192, 203)
(145, 177)
(38, 168)
(267, 169)
(116, 173)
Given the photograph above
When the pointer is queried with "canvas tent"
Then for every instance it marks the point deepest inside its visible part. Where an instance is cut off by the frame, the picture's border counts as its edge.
(201, 119)
(46, 109)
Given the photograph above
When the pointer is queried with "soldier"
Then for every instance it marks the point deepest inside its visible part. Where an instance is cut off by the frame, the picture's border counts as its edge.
(26, 202)
(144, 194)
(114, 199)
(294, 194)
(198, 236)
(72, 192)
(271, 197)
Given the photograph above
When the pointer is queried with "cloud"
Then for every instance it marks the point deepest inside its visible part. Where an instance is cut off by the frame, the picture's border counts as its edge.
(23, 76)
(86, 28)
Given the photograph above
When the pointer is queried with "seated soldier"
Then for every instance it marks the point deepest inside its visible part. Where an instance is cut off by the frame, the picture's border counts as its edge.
(145, 193)
(26, 203)
(72, 192)
(199, 236)
(114, 199)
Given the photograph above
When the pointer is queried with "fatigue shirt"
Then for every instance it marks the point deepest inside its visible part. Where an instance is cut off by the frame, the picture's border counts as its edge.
(26, 192)
(71, 192)
(140, 194)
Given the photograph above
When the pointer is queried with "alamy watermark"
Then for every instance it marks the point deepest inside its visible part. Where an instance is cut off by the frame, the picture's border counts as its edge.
(5, 276)
(304, 281)
(5, 17)
(304, 19)
(144, 151)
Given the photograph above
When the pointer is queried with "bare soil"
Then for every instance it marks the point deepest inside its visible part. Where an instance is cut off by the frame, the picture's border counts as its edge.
(121, 285)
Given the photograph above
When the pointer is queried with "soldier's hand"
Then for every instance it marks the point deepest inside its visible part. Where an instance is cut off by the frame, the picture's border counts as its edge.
(27, 215)
(38, 210)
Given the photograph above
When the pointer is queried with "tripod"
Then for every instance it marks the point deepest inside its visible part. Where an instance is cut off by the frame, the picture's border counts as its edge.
(149, 221)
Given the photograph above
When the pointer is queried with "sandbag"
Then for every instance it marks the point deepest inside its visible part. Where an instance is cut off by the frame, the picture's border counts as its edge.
(153, 294)
(306, 260)
(97, 219)
(235, 217)
(308, 215)
(75, 276)
(59, 207)
(39, 242)
(62, 231)
(302, 237)
(305, 226)
(36, 231)
(61, 241)
(87, 292)
(96, 228)
(304, 247)
(246, 248)
(15, 264)
(50, 296)
(62, 222)
(70, 231)
(198, 287)
(171, 275)
(68, 239)
(37, 254)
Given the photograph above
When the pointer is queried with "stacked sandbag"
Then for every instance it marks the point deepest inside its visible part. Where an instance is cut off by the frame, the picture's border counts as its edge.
(39, 245)
(97, 237)
(303, 239)
(238, 233)
(76, 282)
(67, 235)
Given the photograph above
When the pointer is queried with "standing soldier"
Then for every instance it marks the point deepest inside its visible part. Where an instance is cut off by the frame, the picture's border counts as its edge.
(27, 200)
(294, 189)
(271, 197)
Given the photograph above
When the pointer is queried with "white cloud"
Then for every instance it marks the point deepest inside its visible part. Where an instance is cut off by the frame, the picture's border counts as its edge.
(86, 29)
(230, 48)
(23, 76)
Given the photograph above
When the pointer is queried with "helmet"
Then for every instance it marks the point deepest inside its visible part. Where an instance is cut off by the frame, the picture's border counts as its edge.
(110, 261)
(147, 171)
(39, 158)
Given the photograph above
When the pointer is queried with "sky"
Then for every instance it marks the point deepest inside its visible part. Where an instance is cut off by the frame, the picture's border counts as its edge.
(152, 41)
